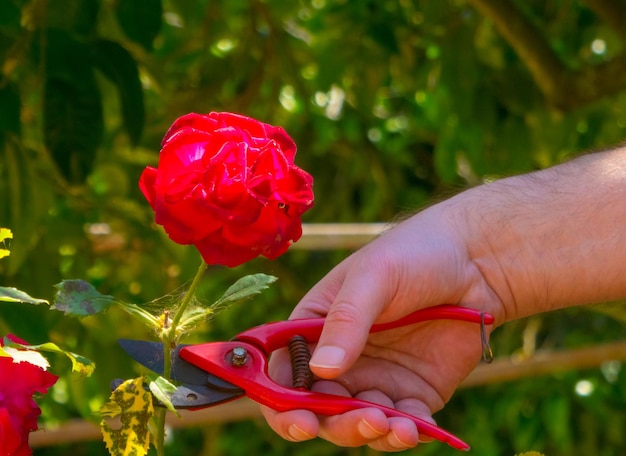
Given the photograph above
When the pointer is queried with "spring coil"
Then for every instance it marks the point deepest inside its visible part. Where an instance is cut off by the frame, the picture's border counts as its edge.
(300, 355)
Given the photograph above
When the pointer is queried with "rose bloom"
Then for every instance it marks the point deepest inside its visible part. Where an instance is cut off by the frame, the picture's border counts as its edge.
(228, 184)
(18, 410)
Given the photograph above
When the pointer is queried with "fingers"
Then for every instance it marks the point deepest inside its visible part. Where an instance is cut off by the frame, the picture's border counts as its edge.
(368, 426)
(357, 304)
(357, 428)
(295, 425)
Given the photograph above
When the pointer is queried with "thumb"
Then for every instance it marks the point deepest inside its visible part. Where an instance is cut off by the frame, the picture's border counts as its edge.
(356, 307)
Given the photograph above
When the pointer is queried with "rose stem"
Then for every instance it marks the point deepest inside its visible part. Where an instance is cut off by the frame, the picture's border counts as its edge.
(169, 342)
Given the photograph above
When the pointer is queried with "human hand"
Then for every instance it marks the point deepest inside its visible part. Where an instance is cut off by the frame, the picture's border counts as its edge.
(512, 248)
(409, 267)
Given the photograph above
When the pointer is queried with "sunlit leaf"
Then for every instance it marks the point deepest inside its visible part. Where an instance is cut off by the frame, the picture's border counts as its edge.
(131, 404)
(79, 298)
(80, 364)
(245, 288)
(10, 294)
(25, 355)
(5, 234)
(162, 389)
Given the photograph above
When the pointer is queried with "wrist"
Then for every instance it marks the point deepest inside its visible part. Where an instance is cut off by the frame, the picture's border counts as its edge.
(553, 238)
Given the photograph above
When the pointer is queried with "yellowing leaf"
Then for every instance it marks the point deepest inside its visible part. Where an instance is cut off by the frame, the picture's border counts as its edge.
(531, 453)
(5, 233)
(132, 403)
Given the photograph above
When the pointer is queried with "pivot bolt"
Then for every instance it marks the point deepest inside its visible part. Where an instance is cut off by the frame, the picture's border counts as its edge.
(239, 356)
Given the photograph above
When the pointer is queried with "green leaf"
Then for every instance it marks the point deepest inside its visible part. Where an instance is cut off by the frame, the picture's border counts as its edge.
(133, 405)
(119, 66)
(73, 117)
(162, 389)
(10, 294)
(80, 364)
(140, 20)
(73, 125)
(245, 288)
(79, 298)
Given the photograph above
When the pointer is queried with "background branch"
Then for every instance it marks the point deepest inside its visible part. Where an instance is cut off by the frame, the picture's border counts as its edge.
(564, 88)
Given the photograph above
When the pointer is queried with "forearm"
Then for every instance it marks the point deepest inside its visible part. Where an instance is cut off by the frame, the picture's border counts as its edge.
(553, 238)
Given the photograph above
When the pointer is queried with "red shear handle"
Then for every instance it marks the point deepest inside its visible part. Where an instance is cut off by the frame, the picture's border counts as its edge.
(250, 374)
(272, 336)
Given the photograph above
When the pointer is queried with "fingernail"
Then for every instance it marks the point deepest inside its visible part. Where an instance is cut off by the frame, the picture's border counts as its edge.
(395, 441)
(296, 434)
(328, 357)
(367, 430)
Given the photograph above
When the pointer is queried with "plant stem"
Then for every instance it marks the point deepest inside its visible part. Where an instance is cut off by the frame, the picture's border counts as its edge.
(169, 343)
(187, 299)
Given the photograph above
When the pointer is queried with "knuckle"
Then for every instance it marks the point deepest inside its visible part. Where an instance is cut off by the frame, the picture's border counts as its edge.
(345, 314)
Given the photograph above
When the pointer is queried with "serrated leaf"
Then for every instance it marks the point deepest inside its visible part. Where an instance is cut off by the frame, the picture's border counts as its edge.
(162, 389)
(119, 66)
(133, 405)
(141, 20)
(245, 288)
(80, 364)
(10, 294)
(79, 298)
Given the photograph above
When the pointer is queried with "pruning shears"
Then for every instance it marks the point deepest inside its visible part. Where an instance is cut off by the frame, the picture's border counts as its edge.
(216, 372)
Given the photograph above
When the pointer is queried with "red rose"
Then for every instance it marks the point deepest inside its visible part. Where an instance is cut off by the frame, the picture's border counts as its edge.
(228, 185)
(18, 410)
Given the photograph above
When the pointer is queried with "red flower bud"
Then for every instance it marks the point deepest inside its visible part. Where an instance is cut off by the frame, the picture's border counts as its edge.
(228, 184)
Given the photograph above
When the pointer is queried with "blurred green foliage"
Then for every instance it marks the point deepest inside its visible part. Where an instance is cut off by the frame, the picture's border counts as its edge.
(393, 103)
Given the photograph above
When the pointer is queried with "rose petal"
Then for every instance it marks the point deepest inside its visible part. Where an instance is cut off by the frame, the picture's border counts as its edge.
(227, 183)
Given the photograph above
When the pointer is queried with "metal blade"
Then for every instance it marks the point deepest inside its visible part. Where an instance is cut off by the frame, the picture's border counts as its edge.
(193, 396)
(150, 355)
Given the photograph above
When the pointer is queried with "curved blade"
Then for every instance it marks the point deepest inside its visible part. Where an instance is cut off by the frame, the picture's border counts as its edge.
(150, 355)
